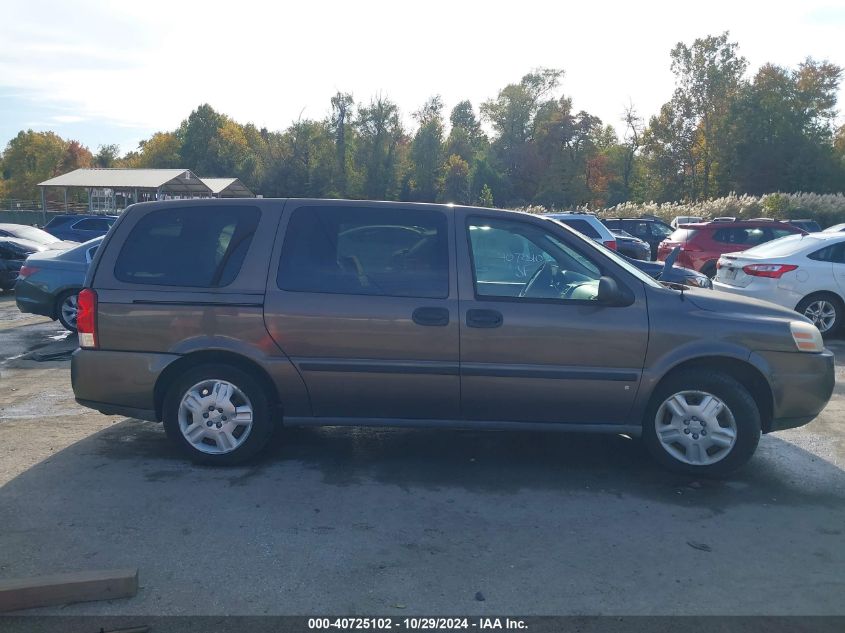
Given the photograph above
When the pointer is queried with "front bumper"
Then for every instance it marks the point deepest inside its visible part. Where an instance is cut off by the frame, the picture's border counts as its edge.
(801, 384)
(33, 300)
(118, 383)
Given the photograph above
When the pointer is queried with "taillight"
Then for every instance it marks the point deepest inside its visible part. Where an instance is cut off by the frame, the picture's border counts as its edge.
(26, 271)
(86, 318)
(772, 271)
(611, 244)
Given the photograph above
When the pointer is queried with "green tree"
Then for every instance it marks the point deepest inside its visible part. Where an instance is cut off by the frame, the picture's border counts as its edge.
(427, 150)
(197, 135)
(30, 158)
(456, 180)
(485, 199)
(381, 136)
(512, 116)
(107, 156)
(466, 138)
(342, 129)
(783, 134)
(160, 151)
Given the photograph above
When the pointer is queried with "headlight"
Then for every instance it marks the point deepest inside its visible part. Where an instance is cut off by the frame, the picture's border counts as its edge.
(806, 336)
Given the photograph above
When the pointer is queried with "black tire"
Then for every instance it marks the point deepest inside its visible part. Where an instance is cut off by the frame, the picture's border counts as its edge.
(263, 423)
(709, 269)
(66, 324)
(738, 400)
(833, 300)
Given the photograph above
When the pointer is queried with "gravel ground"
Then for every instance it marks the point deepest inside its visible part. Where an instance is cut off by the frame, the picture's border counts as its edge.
(399, 522)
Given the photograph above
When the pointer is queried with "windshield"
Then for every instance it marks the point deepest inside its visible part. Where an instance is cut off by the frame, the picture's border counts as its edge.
(784, 246)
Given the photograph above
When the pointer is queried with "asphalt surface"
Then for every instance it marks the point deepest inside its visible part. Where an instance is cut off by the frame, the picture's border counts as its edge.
(401, 522)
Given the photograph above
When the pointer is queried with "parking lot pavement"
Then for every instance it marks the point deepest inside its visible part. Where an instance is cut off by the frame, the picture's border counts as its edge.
(378, 521)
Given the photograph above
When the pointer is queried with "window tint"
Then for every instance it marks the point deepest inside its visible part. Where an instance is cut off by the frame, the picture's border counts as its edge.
(92, 224)
(661, 230)
(640, 229)
(582, 226)
(198, 247)
(749, 237)
(517, 259)
(835, 253)
(351, 250)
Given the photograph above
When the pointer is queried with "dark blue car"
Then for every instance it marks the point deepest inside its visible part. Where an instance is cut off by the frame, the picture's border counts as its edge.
(79, 227)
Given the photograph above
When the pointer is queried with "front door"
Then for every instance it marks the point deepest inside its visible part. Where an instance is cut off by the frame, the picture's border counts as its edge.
(536, 346)
(363, 303)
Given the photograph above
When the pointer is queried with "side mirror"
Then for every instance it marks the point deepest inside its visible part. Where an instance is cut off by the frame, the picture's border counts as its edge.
(612, 295)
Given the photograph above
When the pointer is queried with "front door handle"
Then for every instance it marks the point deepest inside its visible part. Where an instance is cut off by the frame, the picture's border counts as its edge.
(436, 317)
(484, 318)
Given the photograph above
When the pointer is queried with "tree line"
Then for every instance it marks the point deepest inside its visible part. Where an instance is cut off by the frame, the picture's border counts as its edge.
(721, 131)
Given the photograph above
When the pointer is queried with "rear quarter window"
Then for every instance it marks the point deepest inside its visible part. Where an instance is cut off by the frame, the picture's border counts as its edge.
(197, 247)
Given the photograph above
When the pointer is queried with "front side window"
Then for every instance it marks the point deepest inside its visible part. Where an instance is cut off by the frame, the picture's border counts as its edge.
(518, 259)
(366, 251)
(198, 247)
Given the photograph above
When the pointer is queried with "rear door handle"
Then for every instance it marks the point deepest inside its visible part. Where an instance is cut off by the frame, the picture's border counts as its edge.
(436, 317)
(484, 318)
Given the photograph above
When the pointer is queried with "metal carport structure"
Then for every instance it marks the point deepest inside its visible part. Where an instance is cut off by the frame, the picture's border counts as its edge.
(228, 188)
(105, 186)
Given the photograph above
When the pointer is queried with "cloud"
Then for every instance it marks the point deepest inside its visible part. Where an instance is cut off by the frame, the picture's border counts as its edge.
(68, 118)
(140, 66)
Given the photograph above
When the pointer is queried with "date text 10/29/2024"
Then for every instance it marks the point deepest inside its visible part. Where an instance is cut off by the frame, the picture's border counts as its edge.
(414, 624)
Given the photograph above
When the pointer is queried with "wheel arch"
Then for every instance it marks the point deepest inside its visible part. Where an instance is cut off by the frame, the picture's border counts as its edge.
(204, 357)
(742, 371)
(818, 293)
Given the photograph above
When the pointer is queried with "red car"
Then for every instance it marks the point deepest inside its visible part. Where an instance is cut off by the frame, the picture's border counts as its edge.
(702, 243)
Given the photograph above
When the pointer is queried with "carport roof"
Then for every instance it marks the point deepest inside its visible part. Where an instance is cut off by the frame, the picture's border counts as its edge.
(228, 187)
(172, 180)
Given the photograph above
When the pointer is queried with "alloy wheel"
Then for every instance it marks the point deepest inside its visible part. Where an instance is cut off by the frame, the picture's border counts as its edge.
(69, 309)
(822, 313)
(696, 428)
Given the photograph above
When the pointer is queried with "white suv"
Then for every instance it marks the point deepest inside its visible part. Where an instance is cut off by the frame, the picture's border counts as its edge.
(805, 273)
(587, 224)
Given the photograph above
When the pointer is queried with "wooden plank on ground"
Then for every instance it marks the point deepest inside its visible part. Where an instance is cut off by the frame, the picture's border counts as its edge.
(82, 586)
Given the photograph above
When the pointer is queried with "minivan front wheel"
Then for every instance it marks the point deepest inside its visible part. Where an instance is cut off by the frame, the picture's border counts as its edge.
(218, 415)
(702, 422)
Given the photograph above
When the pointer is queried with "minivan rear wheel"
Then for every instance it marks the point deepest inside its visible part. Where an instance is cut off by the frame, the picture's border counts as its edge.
(218, 415)
(702, 422)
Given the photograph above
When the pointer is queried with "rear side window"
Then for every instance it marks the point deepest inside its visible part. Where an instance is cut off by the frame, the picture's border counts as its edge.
(92, 224)
(744, 237)
(835, 253)
(350, 250)
(582, 226)
(197, 247)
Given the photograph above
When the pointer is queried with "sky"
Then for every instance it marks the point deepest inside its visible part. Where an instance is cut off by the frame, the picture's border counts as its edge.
(115, 72)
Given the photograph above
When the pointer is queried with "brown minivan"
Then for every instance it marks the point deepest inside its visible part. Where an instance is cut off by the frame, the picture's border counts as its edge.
(228, 318)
